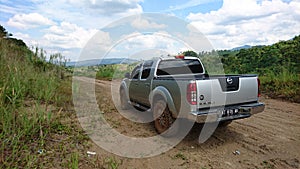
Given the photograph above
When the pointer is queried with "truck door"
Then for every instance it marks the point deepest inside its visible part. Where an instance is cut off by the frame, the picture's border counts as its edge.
(143, 89)
(134, 83)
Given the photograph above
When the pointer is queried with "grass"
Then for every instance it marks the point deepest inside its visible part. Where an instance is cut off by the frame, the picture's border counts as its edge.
(38, 124)
(38, 127)
(74, 161)
(283, 85)
(104, 72)
(112, 163)
(21, 125)
(180, 156)
(267, 165)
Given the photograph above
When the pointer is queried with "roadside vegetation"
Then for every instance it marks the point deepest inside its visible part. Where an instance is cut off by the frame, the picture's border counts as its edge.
(38, 126)
(30, 101)
(104, 72)
(278, 66)
(117, 71)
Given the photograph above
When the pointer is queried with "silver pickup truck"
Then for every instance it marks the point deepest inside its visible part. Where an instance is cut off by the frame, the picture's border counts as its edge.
(178, 87)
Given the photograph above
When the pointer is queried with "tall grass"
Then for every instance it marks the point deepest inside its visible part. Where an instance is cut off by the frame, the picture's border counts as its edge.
(38, 126)
(284, 84)
(28, 86)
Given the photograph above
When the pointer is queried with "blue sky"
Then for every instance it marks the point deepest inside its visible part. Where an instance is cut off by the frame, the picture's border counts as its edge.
(66, 26)
(180, 7)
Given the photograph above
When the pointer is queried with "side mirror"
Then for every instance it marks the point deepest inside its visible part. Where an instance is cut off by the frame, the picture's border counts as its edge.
(127, 75)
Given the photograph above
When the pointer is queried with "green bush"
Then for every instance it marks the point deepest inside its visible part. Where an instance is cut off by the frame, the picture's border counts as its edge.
(109, 72)
(106, 72)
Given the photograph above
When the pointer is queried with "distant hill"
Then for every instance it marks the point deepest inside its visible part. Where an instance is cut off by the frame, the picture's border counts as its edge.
(241, 47)
(94, 62)
(246, 47)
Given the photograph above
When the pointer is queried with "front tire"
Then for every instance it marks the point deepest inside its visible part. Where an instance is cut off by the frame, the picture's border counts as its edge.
(123, 100)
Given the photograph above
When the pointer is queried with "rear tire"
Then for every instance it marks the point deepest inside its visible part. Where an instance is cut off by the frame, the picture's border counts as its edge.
(164, 122)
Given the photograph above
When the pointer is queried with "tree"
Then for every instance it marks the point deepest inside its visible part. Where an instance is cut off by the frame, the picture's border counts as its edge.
(17, 42)
(190, 53)
(6, 35)
(3, 32)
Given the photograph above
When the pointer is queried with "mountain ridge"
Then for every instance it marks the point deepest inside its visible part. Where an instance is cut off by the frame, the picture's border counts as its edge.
(105, 61)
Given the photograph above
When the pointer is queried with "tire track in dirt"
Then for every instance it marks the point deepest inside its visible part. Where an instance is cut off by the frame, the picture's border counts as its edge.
(275, 119)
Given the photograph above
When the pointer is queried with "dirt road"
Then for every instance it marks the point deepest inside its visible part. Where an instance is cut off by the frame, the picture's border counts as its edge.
(267, 140)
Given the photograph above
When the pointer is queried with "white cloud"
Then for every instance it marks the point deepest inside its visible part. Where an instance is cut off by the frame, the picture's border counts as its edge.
(195, 39)
(88, 13)
(112, 7)
(249, 22)
(31, 20)
(20, 35)
(65, 24)
(141, 23)
(67, 35)
(138, 42)
(96, 46)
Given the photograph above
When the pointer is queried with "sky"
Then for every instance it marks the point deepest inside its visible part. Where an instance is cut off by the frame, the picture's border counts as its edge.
(121, 27)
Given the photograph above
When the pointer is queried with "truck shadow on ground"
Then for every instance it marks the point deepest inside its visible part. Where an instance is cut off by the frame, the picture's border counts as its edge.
(220, 136)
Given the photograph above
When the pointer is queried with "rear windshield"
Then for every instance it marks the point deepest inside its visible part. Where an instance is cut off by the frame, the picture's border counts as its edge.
(179, 66)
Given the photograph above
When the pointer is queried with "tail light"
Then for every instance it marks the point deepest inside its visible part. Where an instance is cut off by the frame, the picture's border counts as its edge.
(191, 93)
(258, 87)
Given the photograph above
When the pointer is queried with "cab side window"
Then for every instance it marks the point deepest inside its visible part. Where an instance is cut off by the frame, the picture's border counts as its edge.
(146, 69)
(135, 72)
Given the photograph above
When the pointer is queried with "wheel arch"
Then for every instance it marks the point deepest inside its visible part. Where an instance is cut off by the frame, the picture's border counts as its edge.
(161, 92)
(124, 87)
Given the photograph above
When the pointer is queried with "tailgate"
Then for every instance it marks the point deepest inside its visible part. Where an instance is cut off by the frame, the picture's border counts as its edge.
(227, 90)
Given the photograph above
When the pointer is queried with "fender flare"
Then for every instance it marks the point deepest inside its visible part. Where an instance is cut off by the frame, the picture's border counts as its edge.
(165, 94)
(125, 87)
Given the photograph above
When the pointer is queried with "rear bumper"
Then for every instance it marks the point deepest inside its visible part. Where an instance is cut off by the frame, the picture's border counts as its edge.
(217, 114)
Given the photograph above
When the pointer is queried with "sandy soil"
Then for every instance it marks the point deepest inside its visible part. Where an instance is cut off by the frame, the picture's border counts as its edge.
(267, 140)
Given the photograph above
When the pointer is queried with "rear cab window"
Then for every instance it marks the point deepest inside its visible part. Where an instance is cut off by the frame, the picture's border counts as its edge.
(179, 67)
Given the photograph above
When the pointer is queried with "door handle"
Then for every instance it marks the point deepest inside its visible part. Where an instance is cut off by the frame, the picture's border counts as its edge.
(147, 84)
